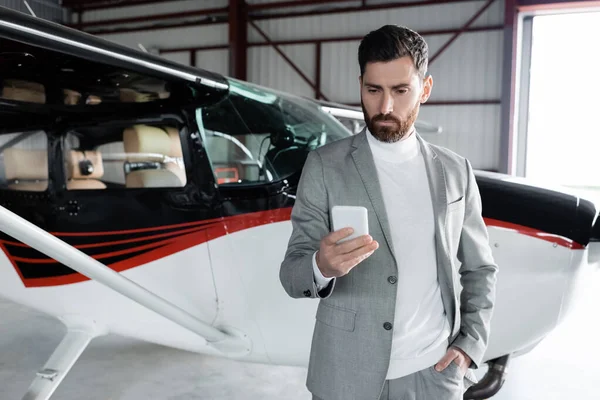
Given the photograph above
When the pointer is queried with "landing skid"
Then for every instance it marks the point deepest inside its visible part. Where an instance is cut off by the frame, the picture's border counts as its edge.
(68, 351)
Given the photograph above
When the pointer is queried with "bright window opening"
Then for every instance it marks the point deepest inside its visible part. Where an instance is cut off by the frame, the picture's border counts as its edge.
(563, 134)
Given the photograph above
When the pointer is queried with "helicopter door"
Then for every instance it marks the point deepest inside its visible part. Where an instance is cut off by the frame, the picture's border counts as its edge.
(131, 200)
(122, 183)
(257, 142)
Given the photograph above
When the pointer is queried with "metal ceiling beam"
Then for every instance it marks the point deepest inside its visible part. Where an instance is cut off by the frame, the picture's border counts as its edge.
(341, 10)
(329, 40)
(358, 38)
(194, 48)
(454, 102)
(462, 102)
(221, 11)
(167, 25)
(293, 3)
(106, 4)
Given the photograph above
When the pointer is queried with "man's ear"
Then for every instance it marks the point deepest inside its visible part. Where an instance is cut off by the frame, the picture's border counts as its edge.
(427, 86)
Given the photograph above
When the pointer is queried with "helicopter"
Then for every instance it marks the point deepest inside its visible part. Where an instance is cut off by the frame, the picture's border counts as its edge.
(152, 200)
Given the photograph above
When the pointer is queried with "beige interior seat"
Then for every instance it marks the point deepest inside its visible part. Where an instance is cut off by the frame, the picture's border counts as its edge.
(26, 91)
(76, 178)
(26, 170)
(147, 143)
(175, 151)
(71, 97)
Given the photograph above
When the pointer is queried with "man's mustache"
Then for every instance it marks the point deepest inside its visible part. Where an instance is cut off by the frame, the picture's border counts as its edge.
(388, 117)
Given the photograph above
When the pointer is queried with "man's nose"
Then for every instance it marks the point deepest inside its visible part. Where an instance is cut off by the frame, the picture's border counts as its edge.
(387, 104)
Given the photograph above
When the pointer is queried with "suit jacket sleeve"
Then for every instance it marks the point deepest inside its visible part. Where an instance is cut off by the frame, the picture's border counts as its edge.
(310, 223)
(320, 280)
(477, 276)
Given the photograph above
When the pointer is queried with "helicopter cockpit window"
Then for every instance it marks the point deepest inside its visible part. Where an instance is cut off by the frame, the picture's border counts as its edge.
(144, 157)
(24, 161)
(257, 135)
(34, 76)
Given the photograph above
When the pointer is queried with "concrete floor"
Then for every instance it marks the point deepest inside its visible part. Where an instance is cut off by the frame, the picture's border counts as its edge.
(565, 366)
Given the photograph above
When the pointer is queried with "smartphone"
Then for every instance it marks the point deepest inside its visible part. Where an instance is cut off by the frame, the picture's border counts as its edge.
(355, 217)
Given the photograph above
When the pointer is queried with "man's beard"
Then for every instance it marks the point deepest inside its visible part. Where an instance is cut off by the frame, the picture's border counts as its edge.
(391, 133)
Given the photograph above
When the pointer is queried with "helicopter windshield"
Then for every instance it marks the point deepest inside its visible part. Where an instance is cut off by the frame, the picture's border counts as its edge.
(257, 135)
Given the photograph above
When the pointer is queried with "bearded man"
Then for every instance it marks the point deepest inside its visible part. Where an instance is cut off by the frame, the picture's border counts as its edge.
(404, 312)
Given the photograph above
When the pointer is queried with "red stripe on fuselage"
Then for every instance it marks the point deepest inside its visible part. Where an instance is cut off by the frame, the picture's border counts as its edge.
(141, 230)
(523, 230)
(212, 229)
(116, 242)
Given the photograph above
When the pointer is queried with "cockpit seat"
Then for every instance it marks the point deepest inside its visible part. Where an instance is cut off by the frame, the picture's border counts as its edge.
(26, 170)
(154, 156)
(175, 151)
(84, 169)
(25, 91)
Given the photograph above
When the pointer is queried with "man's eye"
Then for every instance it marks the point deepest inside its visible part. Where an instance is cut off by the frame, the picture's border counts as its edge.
(372, 90)
(401, 91)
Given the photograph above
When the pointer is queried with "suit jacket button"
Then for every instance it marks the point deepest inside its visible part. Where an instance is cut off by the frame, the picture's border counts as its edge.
(307, 293)
(387, 326)
(392, 279)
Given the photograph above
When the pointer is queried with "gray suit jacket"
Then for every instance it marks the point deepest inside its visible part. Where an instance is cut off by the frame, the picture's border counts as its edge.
(351, 349)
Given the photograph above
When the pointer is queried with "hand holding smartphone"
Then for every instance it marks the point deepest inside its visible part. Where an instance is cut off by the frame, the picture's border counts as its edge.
(354, 217)
(348, 244)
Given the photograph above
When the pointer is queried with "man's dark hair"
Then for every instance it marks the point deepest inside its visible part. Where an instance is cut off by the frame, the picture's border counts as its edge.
(391, 42)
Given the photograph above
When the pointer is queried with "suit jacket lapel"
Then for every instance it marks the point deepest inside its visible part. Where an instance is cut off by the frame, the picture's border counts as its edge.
(437, 184)
(363, 159)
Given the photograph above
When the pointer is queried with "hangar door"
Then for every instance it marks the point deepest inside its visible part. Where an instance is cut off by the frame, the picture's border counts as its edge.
(559, 132)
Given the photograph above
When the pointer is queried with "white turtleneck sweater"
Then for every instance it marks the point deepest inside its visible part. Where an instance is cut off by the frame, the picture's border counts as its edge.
(421, 329)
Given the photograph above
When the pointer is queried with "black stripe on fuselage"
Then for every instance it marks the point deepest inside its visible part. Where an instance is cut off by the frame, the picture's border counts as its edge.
(37, 270)
(545, 210)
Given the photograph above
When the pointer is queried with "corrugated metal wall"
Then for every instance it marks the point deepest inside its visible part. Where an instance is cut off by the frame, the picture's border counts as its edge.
(46, 9)
(470, 69)
(152, 40)
(174, 37)
(152, 9)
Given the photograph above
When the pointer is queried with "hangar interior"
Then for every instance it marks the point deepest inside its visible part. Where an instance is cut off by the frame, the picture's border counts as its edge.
(515, 92)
